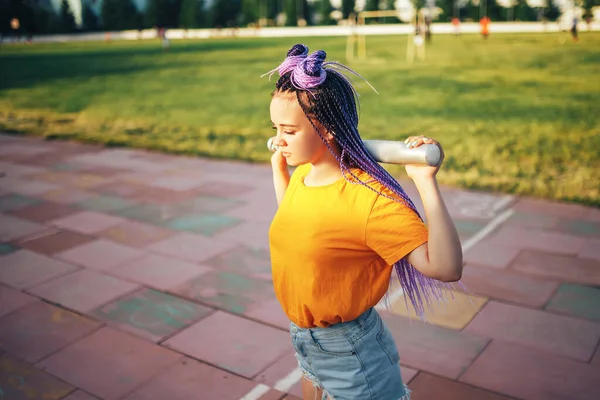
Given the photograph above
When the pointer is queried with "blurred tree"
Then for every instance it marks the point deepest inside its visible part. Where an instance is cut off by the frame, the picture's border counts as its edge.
(250, 11)
(224, 13)
(119, 15)
(325, 9)
(67, 20)
(551, 12)
(192, 14)
(587, 7)
(164, 13)
(371, 5)
(89, 19)
(291, 13)
(296, 9)
(274, 7)
(348, 7)
(522, 12)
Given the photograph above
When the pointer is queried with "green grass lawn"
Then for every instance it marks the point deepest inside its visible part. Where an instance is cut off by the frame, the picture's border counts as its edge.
(518, 114)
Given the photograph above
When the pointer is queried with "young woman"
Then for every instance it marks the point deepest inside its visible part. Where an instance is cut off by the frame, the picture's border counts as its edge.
(343, 223)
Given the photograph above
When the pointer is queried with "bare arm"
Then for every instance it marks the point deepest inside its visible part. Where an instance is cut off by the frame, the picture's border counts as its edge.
(441, 257)
(281, 175)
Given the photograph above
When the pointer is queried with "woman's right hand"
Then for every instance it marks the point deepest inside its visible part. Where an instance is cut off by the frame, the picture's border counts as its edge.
(278, 161)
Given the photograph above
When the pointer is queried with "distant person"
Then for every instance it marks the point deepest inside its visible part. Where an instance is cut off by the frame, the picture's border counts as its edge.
(161, 32)
(574, 33)
(428, 29)
(456, 25)
(588, 21)
(15, 25)
(485, 26)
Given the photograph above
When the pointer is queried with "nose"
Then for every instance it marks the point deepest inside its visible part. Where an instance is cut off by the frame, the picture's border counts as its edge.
(278, 141)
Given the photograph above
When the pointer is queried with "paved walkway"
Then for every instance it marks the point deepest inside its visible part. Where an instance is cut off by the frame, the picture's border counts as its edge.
(127, 274)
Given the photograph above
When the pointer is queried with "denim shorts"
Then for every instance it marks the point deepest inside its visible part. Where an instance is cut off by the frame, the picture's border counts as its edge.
(355, 360)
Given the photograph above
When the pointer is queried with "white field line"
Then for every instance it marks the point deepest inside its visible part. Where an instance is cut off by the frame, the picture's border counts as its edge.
(256, 392)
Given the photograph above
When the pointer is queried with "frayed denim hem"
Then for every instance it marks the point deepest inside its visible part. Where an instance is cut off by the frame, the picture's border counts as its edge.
(326, 396)
(407, 393)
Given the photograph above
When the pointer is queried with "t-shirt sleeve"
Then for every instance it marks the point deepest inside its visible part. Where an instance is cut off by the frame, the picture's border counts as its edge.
(393, 230)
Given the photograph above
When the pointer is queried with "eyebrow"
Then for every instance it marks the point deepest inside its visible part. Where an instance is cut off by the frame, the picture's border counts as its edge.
(289, 125)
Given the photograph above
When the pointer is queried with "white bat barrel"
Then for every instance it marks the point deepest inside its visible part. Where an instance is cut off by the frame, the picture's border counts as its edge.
(394, 152)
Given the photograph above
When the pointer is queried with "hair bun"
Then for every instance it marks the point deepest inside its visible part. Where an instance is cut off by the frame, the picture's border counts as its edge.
(297, 50)
(313, 65)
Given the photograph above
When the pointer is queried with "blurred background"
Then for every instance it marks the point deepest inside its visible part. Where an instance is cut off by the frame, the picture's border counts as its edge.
(509, 87)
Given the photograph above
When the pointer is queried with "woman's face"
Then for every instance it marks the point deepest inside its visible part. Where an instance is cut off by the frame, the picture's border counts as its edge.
(296, 136)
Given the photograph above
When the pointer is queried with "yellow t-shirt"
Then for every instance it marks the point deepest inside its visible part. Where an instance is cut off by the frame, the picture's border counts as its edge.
(333, 247)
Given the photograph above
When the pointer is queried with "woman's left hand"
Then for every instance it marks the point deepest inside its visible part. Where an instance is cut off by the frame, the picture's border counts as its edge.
(418, 172)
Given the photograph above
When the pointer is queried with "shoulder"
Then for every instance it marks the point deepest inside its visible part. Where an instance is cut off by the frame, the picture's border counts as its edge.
(302, 169)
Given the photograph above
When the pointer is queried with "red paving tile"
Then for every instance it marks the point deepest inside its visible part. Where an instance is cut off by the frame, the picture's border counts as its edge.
(250, 234)
(278, 371)
(67, 196)
(100, 255)
(428, 387)
(235, 344)
(563, 210)
(11, 300)
(35, 331)
(163, 196)
(576, 301)
(270, 312)
(532, 220)
(542, 330)
(431, 348)
(531, 375)
(159, 272)
(596, 359)
(188, 378)
(80, 395)
(490, 254)
(22, 381)
(151, 314)
(136, 234)
(256, 211)
(190, 247)
(590, 250)
(55, 242)
(118, 363)
(12, 228)
(508, 286)
(551, 242)
(552, 266)
(23, 269)
(44, 212)
(83, 290)
(88, 222)
(223, 189)
(408, 374)
(272, 395)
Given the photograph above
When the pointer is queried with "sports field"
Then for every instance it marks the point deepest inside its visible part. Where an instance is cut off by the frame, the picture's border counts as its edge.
(518, 114)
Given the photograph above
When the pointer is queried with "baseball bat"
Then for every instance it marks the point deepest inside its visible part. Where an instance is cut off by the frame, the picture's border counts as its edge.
(394, 152)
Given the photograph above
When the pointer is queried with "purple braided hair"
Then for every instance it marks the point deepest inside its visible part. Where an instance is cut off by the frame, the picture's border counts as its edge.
(333, 101)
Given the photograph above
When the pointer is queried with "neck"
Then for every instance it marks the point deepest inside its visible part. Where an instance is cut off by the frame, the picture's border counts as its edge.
(326, 170)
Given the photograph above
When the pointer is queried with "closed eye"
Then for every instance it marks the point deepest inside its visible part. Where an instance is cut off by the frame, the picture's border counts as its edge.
(286, 132)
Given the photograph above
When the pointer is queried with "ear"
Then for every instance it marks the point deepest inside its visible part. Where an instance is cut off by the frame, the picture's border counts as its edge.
(324, 132)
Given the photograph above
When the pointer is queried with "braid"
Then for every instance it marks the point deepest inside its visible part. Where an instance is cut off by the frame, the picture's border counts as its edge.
(334, 104)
